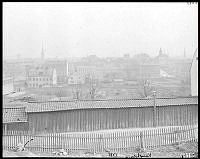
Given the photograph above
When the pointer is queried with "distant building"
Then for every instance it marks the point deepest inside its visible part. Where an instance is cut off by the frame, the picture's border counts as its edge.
(76, 78)
(126, 56)
(149, 71)
(39, 77)
(162, 58)
(7, 85)
(13, 68)
(62, 69)
(20, 84)
(164, 74)
(93, 71)
(194, 74)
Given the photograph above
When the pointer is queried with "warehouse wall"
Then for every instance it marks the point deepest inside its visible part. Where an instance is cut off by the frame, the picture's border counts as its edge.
(23, 126)
(98, 119)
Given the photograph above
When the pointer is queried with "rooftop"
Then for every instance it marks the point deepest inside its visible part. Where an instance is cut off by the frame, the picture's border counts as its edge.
(41, 71)
(14, 115)
(109, 103)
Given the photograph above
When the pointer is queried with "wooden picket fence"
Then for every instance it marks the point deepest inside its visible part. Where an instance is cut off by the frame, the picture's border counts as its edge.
(117, 140)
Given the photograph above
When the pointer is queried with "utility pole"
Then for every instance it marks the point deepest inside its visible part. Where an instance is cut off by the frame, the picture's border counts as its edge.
(154, 108)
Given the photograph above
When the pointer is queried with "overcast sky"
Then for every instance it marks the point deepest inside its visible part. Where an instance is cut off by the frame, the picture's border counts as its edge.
(104, 29)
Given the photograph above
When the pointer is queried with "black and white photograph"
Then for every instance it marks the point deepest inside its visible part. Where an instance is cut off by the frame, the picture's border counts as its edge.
(100, 79)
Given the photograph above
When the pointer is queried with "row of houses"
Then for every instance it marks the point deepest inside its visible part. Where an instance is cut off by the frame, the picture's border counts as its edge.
(39, 77)
(53, 72)
(90, 115)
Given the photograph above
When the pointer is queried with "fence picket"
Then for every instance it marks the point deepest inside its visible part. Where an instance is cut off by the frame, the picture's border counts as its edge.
(116, 141)
(153, 136)
(147, 139)
(166, 136)
(186, 133)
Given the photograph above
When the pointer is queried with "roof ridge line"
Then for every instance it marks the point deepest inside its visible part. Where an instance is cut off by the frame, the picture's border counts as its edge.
(122, 99)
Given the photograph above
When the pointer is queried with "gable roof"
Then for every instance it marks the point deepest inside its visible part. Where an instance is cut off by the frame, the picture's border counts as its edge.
(108, 104)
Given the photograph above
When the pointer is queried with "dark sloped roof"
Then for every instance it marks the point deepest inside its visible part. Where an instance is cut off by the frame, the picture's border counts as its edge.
(41, 71)
(176, 101)
(14, 104)
(118, 103)
(14, 115)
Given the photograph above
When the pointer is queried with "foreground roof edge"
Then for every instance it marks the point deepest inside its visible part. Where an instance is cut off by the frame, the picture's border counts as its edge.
(119, 99)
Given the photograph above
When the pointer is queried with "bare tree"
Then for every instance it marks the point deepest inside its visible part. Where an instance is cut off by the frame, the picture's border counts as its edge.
(145, 88)
(77, 92)
(93, 87)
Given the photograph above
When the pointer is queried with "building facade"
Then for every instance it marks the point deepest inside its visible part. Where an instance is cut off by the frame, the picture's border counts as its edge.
(39, 77)
(194, 74)
(148, 71)
(61, 67)
(76, 78)
(20, 84)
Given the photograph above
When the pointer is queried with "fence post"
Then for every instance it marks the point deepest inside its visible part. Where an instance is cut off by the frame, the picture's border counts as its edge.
(6, 129)
(141, 141)
(21, 137)
(175, 132)
(154, 108)
(100, 138)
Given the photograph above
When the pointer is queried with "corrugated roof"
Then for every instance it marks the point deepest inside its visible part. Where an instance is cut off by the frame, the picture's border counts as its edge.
(176, 101)
(14, 115)
(117, 103)
(14, 104)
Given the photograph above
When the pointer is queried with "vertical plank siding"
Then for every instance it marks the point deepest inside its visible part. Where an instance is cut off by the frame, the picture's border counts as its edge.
(99, 119)
(77, 129)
